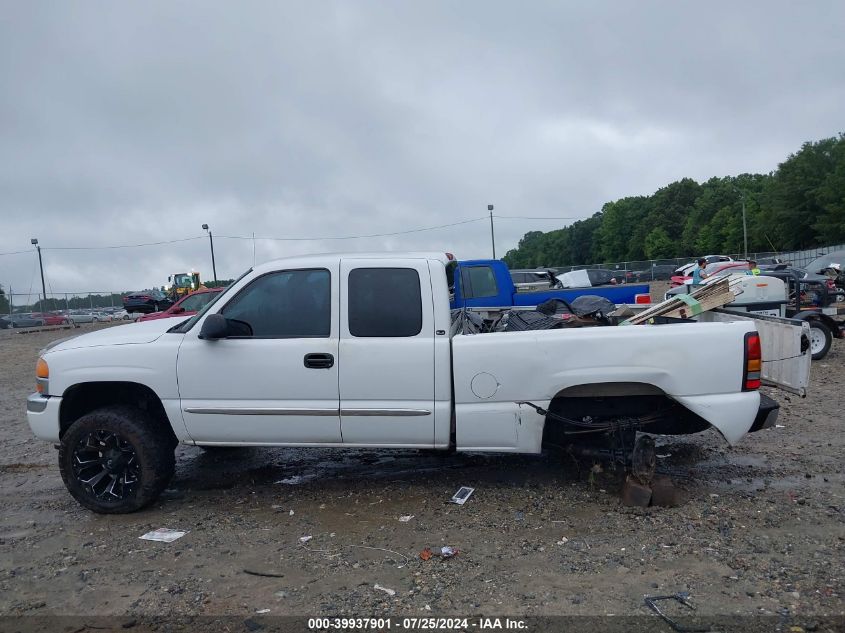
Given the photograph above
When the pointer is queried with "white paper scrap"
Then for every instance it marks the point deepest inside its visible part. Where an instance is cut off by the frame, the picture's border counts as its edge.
(164, 535)
(389, 592)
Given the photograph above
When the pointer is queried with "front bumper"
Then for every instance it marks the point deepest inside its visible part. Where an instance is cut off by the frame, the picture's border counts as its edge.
(42, 413)
(767, 415)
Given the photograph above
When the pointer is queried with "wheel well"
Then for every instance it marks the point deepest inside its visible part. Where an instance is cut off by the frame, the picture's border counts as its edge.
(86, 397)
(605, 401)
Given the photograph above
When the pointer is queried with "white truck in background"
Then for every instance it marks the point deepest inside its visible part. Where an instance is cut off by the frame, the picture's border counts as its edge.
(359, 350)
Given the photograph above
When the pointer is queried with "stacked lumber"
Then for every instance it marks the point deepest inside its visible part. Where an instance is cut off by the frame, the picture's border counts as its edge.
(685, 306)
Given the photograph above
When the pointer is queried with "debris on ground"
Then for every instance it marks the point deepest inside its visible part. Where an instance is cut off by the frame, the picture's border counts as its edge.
(405, 518)
(264, 574)
(665, 493)
(635, 494)
(389, 592)
(305, 539)
(445, 552)
(681, 597)
(383, 549)
(464, 493)
(295, 480)
(163, 535)
(262, 611)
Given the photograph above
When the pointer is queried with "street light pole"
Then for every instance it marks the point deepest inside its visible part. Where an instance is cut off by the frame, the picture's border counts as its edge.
(492, 234)
(211, 242)
(34, 241)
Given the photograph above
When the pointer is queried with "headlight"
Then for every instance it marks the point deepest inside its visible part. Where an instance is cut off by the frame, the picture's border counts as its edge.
(42, 377)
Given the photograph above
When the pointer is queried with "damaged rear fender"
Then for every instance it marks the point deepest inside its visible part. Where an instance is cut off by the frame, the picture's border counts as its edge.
(732, 414)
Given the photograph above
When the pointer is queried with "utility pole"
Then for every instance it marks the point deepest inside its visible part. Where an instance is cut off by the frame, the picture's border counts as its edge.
(744, 224)
(211, 242)
(34, 241)
(492, 234)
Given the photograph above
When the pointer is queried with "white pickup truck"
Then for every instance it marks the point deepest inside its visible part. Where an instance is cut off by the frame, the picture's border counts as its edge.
(359, 351)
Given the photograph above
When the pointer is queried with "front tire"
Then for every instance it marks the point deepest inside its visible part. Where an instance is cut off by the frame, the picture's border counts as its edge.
(116, 460)
(821, 338)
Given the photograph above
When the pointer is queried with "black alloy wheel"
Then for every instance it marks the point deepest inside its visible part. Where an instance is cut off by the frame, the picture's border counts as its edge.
(117, 459)
(106, 466)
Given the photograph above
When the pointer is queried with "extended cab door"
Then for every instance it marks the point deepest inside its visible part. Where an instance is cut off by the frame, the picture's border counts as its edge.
(277, 385)
(387, 353)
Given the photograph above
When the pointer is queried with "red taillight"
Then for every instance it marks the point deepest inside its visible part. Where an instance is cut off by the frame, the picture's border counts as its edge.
(753, 363)
(642, 298)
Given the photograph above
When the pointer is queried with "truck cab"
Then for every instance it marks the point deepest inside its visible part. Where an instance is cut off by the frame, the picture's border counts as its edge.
(487, 283)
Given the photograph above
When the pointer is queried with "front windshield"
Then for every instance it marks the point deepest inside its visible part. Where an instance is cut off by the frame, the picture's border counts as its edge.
(184, 326)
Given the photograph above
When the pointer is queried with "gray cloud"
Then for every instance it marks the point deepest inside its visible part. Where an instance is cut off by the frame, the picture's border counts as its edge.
(127, 123)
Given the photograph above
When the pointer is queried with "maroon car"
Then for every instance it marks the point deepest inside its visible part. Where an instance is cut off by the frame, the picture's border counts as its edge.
(186, 306)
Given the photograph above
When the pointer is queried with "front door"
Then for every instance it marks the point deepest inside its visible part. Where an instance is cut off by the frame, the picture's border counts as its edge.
(387, 353)
(277, 385)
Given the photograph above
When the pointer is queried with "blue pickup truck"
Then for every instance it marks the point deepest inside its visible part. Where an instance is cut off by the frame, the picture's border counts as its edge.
(487, 283)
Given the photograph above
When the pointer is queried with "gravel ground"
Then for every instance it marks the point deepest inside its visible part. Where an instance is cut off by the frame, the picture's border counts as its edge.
(762, 530)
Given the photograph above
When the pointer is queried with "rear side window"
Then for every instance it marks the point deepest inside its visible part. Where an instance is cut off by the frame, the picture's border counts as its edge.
(384, 302)
(285, 304)
(478, 282)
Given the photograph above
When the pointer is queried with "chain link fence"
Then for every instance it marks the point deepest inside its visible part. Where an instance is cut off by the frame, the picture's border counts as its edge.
(17, 302)
(653, 269)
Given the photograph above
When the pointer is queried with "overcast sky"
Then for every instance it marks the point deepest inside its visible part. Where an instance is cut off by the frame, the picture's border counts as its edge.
(127, 123)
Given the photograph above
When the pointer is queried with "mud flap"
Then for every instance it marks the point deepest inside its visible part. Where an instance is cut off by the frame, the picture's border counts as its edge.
(767, 415)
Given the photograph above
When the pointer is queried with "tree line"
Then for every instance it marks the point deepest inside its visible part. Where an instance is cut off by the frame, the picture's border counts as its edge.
(799, 205)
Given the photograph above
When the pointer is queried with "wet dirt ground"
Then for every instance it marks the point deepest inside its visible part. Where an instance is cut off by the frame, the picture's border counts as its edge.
(762, 530)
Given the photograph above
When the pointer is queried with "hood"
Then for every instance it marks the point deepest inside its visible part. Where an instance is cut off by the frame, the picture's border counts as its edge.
(129, 334)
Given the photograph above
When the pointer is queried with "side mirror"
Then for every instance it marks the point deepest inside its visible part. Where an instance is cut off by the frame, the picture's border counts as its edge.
(177, 310)
(214, 327)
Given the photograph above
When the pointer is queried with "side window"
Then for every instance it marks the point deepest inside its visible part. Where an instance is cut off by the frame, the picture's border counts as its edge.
(478, 282)
(286, 304)
(384, 302)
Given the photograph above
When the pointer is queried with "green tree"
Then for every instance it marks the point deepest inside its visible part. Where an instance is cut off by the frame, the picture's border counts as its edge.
(793, 197)
(658, 244)
(829, 226)
(801, 204)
